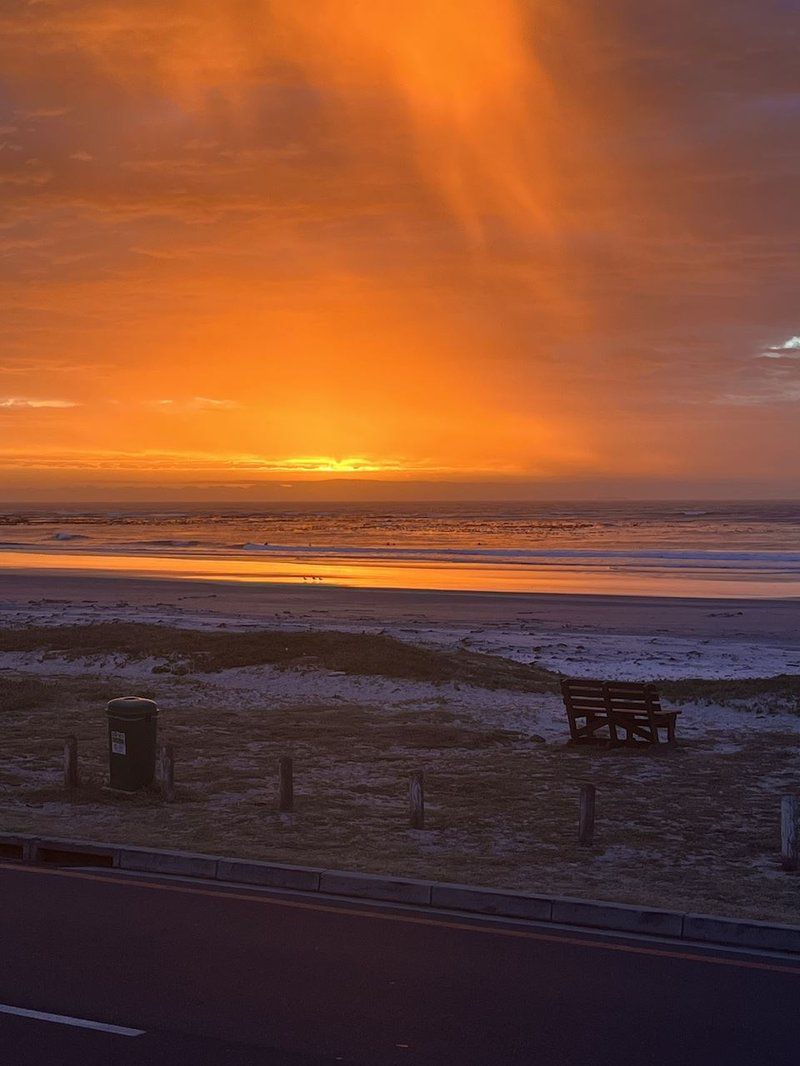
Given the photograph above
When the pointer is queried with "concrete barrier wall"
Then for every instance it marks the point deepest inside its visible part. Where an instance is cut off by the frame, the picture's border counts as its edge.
(590, 914)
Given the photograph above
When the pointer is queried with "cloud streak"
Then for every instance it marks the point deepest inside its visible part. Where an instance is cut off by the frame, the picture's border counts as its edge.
(20, 403)
(184, 463)
(790, 349)
(196, 403)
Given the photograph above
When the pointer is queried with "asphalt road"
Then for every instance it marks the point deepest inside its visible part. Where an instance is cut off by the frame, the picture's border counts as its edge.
(27, 1042)
(211, 974)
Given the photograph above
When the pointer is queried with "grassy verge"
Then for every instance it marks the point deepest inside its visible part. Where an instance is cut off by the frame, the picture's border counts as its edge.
(695, 827)
(188, 651)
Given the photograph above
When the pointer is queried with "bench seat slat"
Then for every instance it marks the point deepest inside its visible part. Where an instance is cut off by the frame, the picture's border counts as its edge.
(626, 699)
(598, 712)
(617, 686)
(634, 705)
(658, 713)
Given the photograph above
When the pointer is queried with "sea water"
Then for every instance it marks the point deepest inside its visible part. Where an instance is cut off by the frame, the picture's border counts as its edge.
(690, 548)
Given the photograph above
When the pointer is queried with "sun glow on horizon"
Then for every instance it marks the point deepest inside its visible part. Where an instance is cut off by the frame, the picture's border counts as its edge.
(214, 462)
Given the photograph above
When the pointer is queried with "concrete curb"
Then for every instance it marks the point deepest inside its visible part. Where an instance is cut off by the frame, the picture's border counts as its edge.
(590, 914)
(367, 886)
(620, 916)
(269, 874)
(741, 933)
(17, 847)
(150, 861)
(492, 901)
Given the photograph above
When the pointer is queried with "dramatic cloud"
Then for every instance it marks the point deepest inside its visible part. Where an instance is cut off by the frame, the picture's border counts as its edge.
(539, 238)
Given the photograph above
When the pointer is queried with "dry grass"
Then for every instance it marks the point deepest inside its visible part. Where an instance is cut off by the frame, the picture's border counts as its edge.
(779, 694)
(189, 651)
(185, 652)
(693, 828)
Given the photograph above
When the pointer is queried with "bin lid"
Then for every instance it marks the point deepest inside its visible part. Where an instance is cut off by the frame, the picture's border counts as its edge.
(132, 708)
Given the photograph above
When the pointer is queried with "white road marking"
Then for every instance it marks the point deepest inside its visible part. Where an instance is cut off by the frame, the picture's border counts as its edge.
(64, 1019)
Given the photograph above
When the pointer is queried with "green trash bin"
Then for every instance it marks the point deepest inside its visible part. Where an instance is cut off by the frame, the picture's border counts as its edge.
(132, 723)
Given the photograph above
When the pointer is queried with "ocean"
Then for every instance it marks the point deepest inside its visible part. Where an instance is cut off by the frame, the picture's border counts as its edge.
(691, 548)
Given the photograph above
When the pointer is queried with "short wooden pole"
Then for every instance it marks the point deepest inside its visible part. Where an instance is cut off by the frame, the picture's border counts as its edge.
(790, 840)
(586, 815)
(416, 802)
(71, 762)
(285, 786)
(167, 772)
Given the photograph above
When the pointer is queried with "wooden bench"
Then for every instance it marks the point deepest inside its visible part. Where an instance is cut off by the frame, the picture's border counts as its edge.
(615, 712)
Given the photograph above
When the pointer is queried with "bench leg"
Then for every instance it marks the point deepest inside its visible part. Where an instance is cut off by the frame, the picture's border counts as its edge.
(574, 732)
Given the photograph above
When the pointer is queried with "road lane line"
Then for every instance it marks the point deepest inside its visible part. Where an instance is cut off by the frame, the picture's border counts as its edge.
(411, 919)
(65, 1019)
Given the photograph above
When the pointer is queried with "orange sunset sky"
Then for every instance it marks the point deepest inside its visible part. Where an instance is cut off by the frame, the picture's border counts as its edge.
(549, 245)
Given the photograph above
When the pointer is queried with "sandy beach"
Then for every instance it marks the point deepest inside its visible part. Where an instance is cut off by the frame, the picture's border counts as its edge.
(364, 688)
(617, 636)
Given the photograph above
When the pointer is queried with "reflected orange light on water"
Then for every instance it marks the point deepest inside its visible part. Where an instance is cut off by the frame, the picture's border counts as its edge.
(410, 575)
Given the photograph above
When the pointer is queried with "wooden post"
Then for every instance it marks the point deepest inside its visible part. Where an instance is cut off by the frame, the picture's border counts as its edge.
(586, 816)
(167, 772)
(790, 842)
(71, 762)
(416, 802)
(285, 786)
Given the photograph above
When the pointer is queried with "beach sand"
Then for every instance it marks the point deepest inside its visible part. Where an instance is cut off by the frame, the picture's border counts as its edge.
(614, 636)
(693, 827)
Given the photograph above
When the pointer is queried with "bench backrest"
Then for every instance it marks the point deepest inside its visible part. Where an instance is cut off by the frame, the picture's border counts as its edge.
(587, 695)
